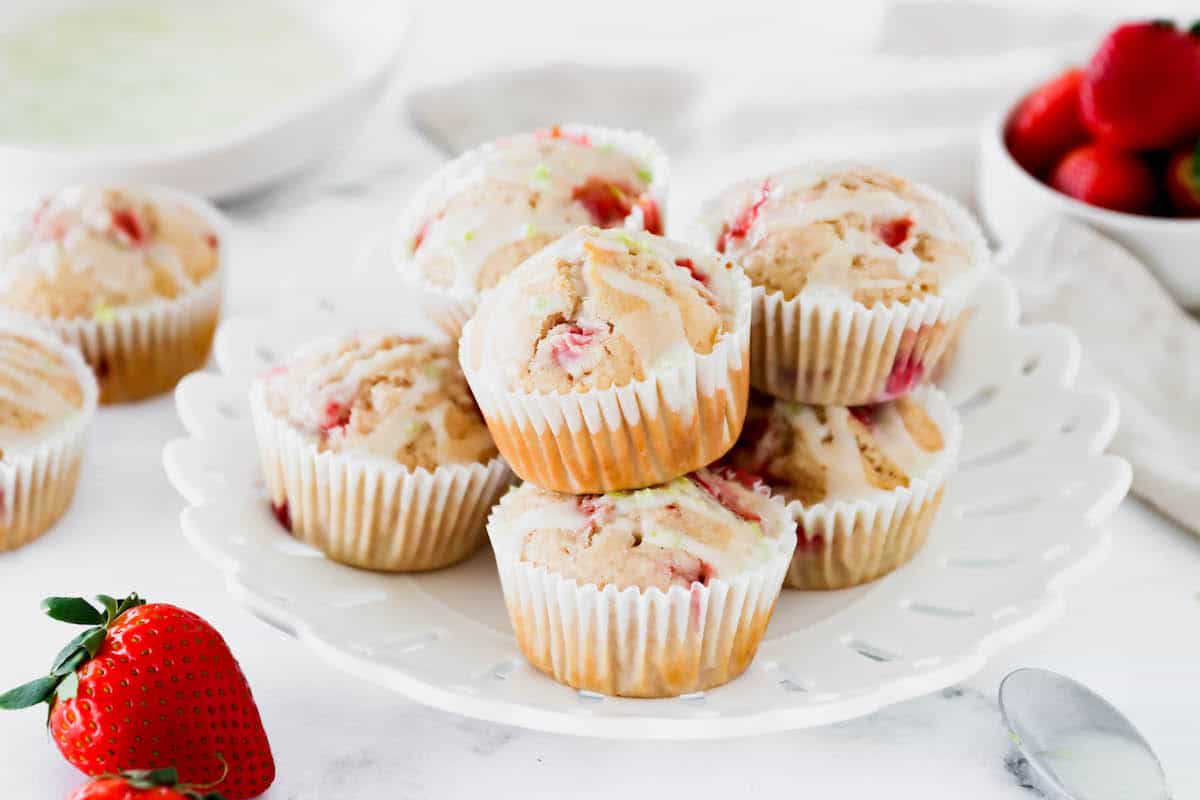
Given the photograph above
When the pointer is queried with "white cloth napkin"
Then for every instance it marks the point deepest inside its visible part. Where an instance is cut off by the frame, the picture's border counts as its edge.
(912, 100)
(1136, 341)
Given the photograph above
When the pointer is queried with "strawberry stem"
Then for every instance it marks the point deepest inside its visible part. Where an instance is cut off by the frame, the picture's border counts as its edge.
(62, 680)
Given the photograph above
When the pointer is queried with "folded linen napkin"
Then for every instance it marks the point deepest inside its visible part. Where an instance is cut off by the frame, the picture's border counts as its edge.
(1136, 342)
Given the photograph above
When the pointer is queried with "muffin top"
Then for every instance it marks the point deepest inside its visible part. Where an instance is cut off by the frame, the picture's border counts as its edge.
(88, 250)
(40, 391)
(599, 309)
(707, 524)
(850, 231)
(818, 454)
(505, 201)
(401, 398)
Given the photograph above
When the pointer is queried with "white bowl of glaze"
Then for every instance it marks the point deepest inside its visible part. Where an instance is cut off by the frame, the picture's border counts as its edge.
(1011, 201)
(256, 153)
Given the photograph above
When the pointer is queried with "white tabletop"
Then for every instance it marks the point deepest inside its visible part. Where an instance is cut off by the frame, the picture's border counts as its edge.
(1129, 629)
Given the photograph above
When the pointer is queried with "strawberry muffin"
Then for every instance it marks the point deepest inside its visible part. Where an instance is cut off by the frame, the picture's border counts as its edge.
(132, 277)
(612, 360)
(863, 483)
(375, 453)
(47, 402)
(651, 593)
(480, 216)
(860, 278)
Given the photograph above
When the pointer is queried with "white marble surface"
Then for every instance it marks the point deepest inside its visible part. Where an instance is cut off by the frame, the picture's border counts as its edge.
(1129, 630)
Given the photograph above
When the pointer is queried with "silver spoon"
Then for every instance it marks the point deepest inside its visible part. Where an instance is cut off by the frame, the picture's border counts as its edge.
(1077, 745)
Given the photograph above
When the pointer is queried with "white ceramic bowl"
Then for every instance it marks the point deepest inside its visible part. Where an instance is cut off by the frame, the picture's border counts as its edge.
(257, 153)
(1011, 200)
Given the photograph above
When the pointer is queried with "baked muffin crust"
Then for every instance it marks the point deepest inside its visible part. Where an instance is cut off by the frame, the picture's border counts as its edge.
(38, 390)
(514, 196)
(818, 454)
(402, 398)
(842, 231)
(88, 250)
(600, 309)
(708, 524)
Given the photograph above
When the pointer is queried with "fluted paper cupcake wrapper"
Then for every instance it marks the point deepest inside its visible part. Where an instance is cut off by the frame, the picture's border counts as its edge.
(453, 306)
(643, 433)
(845, 543)
(835, 351)
(36, 486)
(143, 351)
(640, 643)
(371, 513)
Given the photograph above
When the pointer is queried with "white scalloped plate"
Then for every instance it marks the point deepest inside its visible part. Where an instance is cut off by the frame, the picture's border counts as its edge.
(1020, 518)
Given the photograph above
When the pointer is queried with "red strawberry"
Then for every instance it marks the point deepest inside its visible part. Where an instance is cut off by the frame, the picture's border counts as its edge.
(142, 784)
(609, 202)
(128, 226)
(1102, 176)
(1142, 87)
(150, 686)
(1047, 124)
(744, 221)
(719, 489)
(893, 232)
(651, 216)
(1183, 180)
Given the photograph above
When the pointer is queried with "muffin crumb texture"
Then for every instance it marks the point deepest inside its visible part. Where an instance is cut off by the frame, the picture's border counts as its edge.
(86, 251)
(853, 231)
(512, 197)
(816, 454)
(708, 524)
(601, 309)
(396, 397)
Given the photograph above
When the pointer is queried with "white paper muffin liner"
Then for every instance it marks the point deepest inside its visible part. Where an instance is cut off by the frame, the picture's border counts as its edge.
(639, 642)
(625, 437)
(833, 350)
(847, 542)
(36, 485)
(143, 350)
(369, 512)
(451, 307)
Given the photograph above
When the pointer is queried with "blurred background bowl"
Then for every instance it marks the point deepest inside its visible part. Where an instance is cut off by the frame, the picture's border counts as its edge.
(259, 152)
(1011, 200)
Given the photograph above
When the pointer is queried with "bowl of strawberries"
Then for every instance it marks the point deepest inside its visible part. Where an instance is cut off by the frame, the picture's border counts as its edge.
(1115, 143)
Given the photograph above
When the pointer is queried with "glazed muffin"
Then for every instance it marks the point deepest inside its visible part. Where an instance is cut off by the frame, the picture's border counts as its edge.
(863, 483)
(479, 217)
(612, 360)
(860, 278)
(47, 402)
(651, 593)
(129, 276)
(375, 453)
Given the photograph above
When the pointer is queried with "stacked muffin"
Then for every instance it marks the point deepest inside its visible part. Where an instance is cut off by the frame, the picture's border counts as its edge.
(861, 279)
(612, 367)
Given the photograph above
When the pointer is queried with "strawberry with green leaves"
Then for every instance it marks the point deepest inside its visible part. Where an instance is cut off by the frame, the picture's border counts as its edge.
(147, 686)
(143, 784)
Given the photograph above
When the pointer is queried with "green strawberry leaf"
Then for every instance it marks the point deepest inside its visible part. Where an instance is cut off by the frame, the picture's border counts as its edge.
(69, 650)
(92, 640)
(1196, 158)
(1195, 29)
(150, 778)
(110, 606)
(74, 610)
(30, 694)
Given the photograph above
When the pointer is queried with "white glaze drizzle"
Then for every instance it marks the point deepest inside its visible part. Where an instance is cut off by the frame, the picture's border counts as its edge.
(551, 167)
(503, 338)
